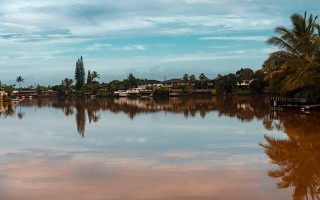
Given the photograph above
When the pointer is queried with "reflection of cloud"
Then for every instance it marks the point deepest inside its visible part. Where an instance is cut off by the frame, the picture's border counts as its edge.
(136, 140)
(105, 177)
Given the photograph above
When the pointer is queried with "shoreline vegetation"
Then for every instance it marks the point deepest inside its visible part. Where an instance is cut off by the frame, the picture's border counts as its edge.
(292, 71)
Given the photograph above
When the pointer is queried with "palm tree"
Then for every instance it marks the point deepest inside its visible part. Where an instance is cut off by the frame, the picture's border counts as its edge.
(186, 78)
(297, 64)
(203, 79)
(192, 79)
(19, 80)
(94, 75)
(67, 82)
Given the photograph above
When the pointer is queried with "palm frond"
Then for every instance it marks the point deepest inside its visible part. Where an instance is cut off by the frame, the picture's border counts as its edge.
(282, 44)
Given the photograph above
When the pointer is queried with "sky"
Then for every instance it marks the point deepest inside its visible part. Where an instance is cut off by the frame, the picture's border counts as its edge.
(155, 39)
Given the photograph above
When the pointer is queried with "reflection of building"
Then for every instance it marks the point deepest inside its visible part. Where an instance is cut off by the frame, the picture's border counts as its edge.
(244, 106)
(144, 105)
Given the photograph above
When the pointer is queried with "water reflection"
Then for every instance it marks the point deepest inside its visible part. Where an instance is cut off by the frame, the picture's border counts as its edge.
(6, 110)
(298, 155)
(243, 108)
(160, 156)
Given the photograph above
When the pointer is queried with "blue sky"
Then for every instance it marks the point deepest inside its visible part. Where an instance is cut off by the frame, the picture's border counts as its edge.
(41, 40)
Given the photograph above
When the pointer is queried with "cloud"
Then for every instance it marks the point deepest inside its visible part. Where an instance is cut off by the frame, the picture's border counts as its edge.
(239, 38)
(130, 48)
(104, 18)
(50, 35)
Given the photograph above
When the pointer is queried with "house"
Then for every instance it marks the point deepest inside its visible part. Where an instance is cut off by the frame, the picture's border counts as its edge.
(145, 84)
(244, 84)
(171, 82)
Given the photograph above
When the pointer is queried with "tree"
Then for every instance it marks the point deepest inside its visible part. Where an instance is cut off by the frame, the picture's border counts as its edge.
(245, 74)
(67, 83)
(94, 75)
(19, 80)
(203, 79)
(89, 78)
(296, 66)
(192, 79)
(79, 74)
(132, 80)
(186, 78)
(258, 84)
(226, 83)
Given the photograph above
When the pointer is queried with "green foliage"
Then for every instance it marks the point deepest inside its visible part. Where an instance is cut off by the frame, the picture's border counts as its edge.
(178, 86)
(296, 66)
(89, 78)
(90, 89)
(312, 94)
(245, 74)
(186, 78)
(258, 84)
(226, 83)
(192, 79)
(67, 85)
(132, 81)
(7, 88)
(58, 88)
(19, 80)
(94, 76)
(41, 89)
(79, 76)
(162, 92)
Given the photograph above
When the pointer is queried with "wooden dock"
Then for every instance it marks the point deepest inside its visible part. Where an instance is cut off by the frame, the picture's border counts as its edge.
(282, 102)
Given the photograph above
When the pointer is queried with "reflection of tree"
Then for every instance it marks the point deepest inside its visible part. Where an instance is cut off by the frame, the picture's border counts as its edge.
(92, 108)
(298, 157)
(243, 108)
(80, 118)
(20, 114)
(7, 109)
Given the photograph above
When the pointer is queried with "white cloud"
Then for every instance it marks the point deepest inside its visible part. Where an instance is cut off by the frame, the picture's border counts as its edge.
(240, 38)
(129, 48)
(99, 18)
(98, 46)
(50, 35)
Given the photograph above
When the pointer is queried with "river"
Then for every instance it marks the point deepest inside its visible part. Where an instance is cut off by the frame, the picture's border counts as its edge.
(168, 149)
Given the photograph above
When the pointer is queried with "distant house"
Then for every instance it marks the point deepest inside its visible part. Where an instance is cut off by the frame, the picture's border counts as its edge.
(244, 84)
(144, 84)
(28, 92)
(171, 82)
